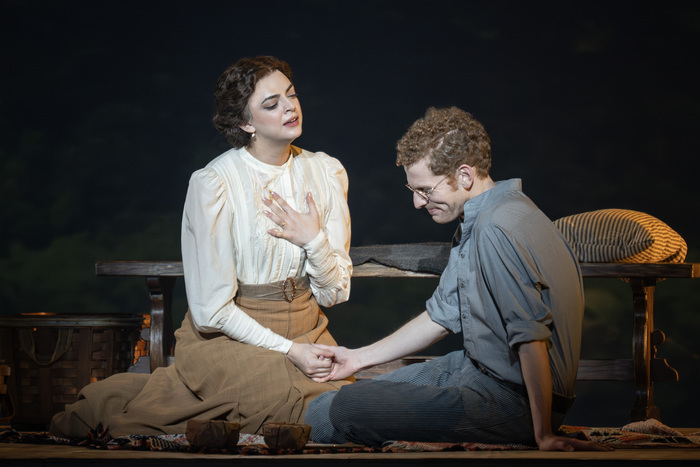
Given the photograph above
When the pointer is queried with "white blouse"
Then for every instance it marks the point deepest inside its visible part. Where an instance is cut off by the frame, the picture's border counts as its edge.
(225, 238)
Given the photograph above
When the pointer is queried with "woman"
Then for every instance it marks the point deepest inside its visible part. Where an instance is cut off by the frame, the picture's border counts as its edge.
(265, 236)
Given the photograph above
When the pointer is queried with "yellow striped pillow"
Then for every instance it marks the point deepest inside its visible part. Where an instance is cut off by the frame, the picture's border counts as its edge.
(621, 236)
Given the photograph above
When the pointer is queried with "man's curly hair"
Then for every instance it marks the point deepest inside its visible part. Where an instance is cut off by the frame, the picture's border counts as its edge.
(233, 91)
(450, 137)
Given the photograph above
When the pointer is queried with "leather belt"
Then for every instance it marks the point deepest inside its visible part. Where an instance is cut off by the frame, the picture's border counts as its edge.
(287, 290)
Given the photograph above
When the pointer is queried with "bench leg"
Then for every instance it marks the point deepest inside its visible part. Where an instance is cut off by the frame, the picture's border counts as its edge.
(643, 298)
(161, 290)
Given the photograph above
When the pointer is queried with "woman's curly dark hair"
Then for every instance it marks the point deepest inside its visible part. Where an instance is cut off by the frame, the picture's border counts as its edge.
(233, 91)
(449, 137)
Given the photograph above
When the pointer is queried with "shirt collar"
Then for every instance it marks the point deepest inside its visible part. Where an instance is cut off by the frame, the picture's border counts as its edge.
(474, 206)
(262, 166)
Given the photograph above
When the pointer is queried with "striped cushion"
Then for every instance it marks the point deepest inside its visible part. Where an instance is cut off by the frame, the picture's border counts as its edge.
(621, 236)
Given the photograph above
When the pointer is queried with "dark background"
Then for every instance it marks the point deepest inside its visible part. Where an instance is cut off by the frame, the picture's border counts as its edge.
(106, 106)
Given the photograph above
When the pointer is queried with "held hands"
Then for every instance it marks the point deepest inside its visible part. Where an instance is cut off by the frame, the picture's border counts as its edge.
(323, 363)
(314, 362)
(344, 363)
(294, 227)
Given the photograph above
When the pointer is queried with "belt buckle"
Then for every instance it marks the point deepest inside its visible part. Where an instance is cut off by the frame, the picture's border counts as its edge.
(284, 290)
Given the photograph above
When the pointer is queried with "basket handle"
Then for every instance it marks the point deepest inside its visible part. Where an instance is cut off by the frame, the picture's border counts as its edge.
(26, 341)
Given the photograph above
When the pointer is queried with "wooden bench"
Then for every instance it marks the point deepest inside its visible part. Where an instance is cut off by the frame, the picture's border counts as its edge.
(643, 369)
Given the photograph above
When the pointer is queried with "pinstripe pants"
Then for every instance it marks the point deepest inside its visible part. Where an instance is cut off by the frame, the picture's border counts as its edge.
(442, 400)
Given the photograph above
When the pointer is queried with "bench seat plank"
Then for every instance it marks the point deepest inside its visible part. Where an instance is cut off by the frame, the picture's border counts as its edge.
(588, 270)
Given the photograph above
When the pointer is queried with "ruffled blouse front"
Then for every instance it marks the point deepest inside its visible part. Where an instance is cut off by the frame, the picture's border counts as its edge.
(225, 237)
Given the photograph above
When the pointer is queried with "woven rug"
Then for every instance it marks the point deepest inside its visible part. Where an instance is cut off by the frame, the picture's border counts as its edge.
(638, 435)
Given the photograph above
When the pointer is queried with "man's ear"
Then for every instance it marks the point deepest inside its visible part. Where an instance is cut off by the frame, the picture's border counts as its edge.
(466, 175)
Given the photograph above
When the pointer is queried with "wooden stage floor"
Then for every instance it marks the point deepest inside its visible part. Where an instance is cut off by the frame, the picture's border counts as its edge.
(57, 455)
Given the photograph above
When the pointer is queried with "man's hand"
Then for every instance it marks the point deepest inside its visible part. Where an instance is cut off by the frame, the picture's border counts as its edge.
(298, 229)
(413, 336)
(344, 362)
(562, 443)
(313, 361)
(538, 380)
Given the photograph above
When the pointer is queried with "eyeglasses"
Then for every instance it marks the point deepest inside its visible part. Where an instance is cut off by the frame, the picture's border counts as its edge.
(425, 194)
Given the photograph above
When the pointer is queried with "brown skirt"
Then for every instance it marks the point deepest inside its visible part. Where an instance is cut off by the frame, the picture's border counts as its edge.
(213, 377)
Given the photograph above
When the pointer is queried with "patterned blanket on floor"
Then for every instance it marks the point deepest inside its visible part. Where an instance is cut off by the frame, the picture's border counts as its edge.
(646, 434)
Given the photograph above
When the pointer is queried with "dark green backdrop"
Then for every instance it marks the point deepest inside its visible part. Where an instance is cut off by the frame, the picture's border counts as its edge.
(105, 111)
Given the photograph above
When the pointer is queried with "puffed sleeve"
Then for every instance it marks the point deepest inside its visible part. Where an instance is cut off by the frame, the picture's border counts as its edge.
(329, 265)
(210, 273)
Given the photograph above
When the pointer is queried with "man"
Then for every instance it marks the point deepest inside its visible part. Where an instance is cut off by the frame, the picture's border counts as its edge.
(512, 287)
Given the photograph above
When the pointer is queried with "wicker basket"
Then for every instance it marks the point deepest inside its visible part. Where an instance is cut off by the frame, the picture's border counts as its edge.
(52, 357)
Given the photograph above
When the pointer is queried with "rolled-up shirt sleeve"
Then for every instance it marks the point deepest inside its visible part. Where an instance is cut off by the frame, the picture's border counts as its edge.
(328, 265)
(208, 263)
(517, 288)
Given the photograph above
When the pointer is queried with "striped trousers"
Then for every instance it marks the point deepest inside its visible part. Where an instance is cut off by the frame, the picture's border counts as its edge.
(447, 399)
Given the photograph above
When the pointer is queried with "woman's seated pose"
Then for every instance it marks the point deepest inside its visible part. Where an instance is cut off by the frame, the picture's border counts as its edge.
(265, 240)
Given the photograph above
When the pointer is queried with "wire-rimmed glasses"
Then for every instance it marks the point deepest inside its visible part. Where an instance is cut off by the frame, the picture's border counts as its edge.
(425, 194)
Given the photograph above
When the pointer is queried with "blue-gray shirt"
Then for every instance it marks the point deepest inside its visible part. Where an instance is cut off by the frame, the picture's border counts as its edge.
(512, 279)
